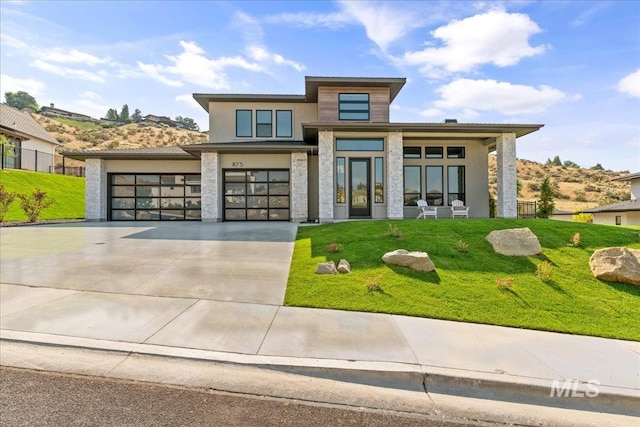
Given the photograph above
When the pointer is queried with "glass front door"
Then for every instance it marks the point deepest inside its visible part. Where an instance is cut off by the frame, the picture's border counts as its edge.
(359, 188)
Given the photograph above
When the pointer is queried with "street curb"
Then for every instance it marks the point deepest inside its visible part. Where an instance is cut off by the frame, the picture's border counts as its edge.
(391, 375)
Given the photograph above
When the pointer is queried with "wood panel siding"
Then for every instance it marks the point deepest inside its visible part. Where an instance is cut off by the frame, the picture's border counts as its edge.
(378, 102)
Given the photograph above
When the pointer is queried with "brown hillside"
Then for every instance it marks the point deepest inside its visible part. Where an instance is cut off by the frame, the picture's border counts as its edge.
(574, 188)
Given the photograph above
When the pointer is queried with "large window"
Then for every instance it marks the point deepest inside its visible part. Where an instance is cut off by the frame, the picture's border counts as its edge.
(434, 185)
(284, 124)
(264, 122)
(340, 177)
(379, 180)
(412, 185)
(353, 106)
(455, 183)
(244, 123)
(259, 195)
(376, 144)
(154, 197)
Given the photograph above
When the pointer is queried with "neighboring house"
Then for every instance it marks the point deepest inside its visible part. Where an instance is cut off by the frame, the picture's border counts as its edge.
(56, 112)
(329, 154)
(150, 118)
(34, 148)
(621, 213)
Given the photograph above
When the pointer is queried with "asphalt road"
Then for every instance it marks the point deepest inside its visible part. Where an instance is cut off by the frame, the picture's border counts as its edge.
(37, 398)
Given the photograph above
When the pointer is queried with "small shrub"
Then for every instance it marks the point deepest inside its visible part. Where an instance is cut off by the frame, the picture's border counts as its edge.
(579, 196)
(505, 284)
(394, 233)
(583, 217)
(463, 247)
(374, 285)
(334, 247)
(544, 271)
(575, 240)
(33, 204)
(6, 198)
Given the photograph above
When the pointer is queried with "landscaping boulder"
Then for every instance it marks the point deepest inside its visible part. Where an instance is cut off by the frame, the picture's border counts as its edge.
(616, 264)
(344, 266)
(419, 261)
(327, 268)
(515, 241)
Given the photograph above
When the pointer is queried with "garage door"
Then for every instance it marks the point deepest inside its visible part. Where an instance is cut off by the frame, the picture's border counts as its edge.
(256, 195)
(154, 197)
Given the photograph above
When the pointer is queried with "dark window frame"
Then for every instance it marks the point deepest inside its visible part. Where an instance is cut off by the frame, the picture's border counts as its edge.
(426, 186)
(341, 177)
(454, 156)
(427, 156)
(451, 196)
(618, 219)
(246, 194)
(290, 135)
(407, 155)
(378, 172)
(361, 140)
(342, 104)
(250, 123)
(263, 124)
(404, 186)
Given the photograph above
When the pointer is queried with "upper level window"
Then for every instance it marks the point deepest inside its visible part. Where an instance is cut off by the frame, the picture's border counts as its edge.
(455, 152)
(284, 124)
(374, 144)
(433, 152)
(264, 124)
(244, 123)
(412, 152)
(353, 106)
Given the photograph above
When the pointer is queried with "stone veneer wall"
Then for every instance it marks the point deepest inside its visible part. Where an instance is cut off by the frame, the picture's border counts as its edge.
(210, 189)
(394, 187)
(299, 194)
(325, 175)
(507, 203)
(95, 190)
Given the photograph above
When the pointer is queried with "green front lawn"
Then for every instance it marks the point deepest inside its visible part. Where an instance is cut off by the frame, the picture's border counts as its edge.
(66, 191)
(464, 286)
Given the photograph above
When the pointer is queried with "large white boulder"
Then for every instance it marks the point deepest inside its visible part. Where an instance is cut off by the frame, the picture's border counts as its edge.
(616, 264)
(419, 261)
(326, 268)
(515, 241)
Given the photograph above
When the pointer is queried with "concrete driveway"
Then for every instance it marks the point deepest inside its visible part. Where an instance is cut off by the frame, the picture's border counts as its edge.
(236, 262)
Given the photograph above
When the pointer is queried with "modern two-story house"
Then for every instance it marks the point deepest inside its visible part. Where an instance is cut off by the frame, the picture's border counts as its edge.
(328, 154)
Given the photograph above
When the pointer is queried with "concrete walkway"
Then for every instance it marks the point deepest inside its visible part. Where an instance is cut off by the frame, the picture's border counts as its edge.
(215, 292)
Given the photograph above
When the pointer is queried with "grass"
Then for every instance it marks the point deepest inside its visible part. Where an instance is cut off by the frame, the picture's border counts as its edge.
(82, 125)
(463, 287)
(67, 191)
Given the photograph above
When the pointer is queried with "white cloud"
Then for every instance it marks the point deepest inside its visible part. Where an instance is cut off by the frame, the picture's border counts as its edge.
(188, 100)
(586, 15)
(75, 73)
(193, 66)
(495, 37)
(491, 95)
(332, 20)
(13, 84)
(91, 108)
(630, 84)
(383, 23)
(72, 56)
(90, 95)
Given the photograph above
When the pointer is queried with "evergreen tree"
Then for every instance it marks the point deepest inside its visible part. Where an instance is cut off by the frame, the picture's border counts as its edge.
(556, 161)
(112, 114)
(597, 167)
(136, 117)
(124, 114)
(545, 204)
(188, 123)
(21, 100)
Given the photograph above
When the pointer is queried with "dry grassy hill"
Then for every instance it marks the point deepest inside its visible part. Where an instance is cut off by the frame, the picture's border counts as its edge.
(575, 188)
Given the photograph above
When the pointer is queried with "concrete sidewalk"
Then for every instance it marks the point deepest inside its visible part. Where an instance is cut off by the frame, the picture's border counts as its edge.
(147, 315)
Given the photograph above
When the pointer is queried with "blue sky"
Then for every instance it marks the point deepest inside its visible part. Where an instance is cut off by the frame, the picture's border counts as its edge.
(573, 66)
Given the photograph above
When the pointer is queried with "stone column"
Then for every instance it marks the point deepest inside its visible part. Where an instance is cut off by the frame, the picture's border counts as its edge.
(95, 190)
(507, 204)
(299, 188)
(210, 166)
(325, 175)
(394, 177)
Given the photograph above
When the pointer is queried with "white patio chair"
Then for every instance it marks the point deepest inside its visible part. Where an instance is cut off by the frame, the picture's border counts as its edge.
(459, 209)
(425, 210)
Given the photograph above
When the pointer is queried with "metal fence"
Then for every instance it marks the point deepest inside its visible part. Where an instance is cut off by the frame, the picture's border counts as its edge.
(34, 160)
(527, 209)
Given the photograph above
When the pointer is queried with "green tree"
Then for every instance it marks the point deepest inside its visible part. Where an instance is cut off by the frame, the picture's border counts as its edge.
(545, 204)
(556, 161)
(188, 123)
(597, 167)
(124, 114)
(112, 114)
(21, 100)
(33, 204)
(136, 117)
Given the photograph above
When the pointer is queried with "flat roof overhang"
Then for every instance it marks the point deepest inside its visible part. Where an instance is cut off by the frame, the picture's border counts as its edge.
(204, 98)
(423, 130)
(312, 83)
(268, 147)
(128, 155)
